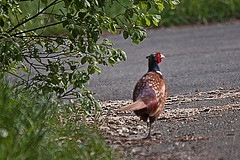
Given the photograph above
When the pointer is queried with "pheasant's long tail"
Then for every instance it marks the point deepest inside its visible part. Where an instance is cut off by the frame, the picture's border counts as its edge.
(137, 105)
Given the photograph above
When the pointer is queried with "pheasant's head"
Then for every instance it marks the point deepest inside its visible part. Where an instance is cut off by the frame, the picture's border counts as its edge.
(157, 57)
(153, 60)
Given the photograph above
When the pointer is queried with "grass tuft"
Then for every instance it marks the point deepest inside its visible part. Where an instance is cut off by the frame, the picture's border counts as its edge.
(201, 12)
(37, 127)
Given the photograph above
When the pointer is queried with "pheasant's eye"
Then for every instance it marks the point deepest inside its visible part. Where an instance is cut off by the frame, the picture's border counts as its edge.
(158, 55)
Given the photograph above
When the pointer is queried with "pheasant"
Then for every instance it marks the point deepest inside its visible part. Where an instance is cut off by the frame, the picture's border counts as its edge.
(150, 93)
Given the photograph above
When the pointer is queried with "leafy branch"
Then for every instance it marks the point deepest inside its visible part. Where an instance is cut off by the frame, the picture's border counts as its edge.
(34, 16)
(64, 63)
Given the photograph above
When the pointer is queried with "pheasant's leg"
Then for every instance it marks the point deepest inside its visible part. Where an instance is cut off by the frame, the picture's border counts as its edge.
(149, 132)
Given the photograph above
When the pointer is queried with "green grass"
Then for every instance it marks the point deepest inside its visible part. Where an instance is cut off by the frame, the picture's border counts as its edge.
(37, 127)
(194, 12)
(188, 12)
(30, 8)
(201, 12)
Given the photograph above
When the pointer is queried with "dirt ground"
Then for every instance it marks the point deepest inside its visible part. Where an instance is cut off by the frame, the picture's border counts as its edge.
(193, 126)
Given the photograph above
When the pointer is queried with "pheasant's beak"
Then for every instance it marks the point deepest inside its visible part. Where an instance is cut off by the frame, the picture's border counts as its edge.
(162, 56)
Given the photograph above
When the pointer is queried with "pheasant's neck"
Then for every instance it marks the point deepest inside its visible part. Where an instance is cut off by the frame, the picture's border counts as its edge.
(153, 66)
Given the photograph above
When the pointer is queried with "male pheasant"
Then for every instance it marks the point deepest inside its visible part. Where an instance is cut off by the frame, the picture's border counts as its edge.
(150, 93)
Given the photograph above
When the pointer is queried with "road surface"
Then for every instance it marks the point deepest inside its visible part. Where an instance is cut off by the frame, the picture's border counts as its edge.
(201, 117)
(197, 58)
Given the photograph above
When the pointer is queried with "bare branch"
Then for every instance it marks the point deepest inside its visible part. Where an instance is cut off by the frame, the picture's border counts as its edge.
(41, 36)
(47, 19)
(34, 29)
(19, 24)
(31, 64)
(68, 92)
(18, 77)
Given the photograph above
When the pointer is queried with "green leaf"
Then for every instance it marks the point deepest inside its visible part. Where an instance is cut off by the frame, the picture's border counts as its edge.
(123, 55)
(73, 67)
(135, 2)
(114, 52)
(173, 3)
(19, 57)
(147, 21)
(111, 61)
(97, 106)
(90, 49)
(125, 34)
(14, 71)
(79, 5)
(44, 1)
(82, 48)
(59, 41)
(155, 21)
(137, 41)
(91, 69)
(1, 22)
(142, 35)
(75, 32)
(143, 20)
(71, 47)
(148, 6)
(84, 60)
(142, 5)
(159, 7)
(138, 23)
(98, 70)
(113, 28)
(24, 68)
(157, 16)
(87, 4)
(96, 2)
(129, 13)
(95, 36)
(106, 42)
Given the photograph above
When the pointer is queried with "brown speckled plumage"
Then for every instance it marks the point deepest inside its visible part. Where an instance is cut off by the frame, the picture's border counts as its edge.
(150, 93)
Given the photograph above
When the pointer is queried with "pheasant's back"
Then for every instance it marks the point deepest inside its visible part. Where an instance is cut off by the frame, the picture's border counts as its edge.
(152, 91)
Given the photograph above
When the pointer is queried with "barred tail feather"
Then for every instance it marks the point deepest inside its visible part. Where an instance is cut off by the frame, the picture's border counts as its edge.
(139, 104)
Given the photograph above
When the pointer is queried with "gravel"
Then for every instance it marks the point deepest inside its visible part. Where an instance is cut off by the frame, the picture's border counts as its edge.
(196, 132)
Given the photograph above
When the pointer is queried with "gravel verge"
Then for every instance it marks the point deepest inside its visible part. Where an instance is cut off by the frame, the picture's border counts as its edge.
(190, 127)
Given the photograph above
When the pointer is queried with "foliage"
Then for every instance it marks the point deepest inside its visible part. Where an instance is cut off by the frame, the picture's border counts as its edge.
(201, 12)
(64, 63)
(36, 127)
(195, 12)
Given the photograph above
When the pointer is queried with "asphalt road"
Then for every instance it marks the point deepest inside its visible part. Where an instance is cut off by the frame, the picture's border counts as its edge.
(193, 126)
(197, 58)
(200, 120)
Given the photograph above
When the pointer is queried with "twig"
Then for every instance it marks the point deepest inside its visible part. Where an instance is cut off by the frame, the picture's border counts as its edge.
(67, 93)
(19, 24)
(48, 19)
(34, 29)
(31, 64)
(122, 5)
(41, 36)
(17, 76)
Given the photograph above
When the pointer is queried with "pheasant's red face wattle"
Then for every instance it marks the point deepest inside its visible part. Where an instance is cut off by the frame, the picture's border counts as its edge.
(158, 56)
